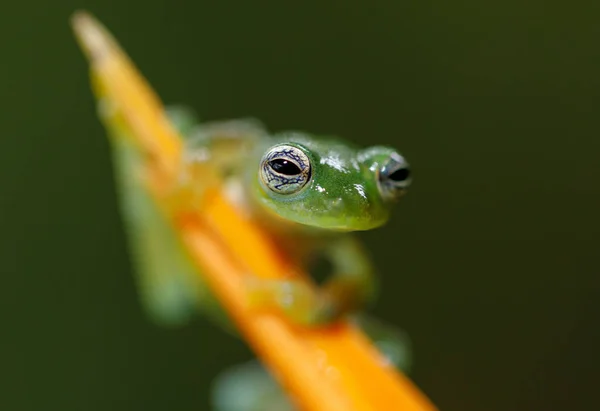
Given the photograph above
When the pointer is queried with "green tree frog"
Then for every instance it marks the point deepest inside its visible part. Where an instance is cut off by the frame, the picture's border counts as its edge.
(309, 193)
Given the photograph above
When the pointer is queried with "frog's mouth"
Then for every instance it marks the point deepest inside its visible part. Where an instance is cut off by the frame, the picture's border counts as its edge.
(346, 224)
(299, 215)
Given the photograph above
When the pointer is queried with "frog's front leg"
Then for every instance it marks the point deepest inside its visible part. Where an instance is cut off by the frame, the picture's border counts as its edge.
(349, 288)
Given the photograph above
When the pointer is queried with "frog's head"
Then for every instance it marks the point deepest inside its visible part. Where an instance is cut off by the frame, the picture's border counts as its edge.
(328, 185)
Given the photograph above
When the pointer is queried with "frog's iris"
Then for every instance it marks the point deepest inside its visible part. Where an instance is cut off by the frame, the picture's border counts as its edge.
(285, 169)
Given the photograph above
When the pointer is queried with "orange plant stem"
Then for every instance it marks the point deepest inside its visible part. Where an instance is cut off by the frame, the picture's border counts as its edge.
(334, 368)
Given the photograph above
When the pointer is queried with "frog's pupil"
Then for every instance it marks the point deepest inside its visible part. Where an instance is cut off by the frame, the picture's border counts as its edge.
(400, 175)
(286, 167)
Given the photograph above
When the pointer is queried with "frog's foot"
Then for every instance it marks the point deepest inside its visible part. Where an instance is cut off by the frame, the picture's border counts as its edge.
(298, 301)
(392, 342)
(248, 387)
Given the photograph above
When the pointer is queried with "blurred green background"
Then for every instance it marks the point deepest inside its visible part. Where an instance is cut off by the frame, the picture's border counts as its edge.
(491, 262)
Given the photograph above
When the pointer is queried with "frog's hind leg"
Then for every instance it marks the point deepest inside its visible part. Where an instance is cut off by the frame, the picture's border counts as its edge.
(169, 286)
(248, 387)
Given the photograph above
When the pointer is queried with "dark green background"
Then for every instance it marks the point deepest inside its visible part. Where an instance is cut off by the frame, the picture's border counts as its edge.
(490, 263)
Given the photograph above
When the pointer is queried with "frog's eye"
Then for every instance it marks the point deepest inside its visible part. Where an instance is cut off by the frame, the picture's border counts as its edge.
(394, 177)
(285, 169)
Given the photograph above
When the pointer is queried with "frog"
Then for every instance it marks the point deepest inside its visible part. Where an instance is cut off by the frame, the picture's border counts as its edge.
(310, 193)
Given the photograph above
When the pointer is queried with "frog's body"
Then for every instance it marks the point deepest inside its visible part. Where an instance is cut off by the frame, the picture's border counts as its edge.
(309, 193)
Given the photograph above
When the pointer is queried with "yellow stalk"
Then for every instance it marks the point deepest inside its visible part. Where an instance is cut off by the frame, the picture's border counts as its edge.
(334, 368)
